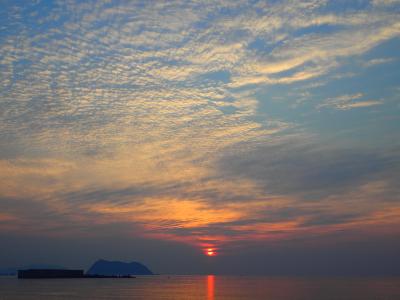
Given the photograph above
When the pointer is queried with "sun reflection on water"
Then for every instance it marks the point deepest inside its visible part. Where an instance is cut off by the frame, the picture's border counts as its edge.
(210, 287)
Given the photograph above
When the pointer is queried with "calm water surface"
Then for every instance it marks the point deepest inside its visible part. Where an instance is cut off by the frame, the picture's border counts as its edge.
(202, 287)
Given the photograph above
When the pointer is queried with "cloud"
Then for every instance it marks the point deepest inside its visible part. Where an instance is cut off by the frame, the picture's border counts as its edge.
(350, 101)
(301, 167)
(148, 115)
(377, 61)
(265, 193)
(384, 2)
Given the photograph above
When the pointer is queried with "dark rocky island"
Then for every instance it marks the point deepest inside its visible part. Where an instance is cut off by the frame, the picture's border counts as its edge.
(118, 268)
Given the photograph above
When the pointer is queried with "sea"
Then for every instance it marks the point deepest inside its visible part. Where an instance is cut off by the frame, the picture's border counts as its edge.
(209, 287)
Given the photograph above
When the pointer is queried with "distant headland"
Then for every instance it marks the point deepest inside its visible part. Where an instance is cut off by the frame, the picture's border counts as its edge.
(117, 268)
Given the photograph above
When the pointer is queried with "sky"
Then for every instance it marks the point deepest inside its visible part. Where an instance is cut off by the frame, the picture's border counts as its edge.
(267, 131)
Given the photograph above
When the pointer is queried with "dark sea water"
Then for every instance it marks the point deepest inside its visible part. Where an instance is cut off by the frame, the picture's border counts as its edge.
(203, 287)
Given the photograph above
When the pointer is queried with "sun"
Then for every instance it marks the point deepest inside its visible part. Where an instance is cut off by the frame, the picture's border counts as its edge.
(210, 252)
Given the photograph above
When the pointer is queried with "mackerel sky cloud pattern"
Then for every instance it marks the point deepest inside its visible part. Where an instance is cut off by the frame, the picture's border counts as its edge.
(207, 123)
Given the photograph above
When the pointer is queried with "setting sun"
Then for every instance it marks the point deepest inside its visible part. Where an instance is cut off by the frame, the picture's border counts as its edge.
(210, 252)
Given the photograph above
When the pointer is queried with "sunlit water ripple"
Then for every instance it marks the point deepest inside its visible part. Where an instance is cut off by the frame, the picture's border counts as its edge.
(202, 287)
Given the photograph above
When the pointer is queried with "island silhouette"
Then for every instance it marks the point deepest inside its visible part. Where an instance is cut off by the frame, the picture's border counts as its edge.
(118, 268)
